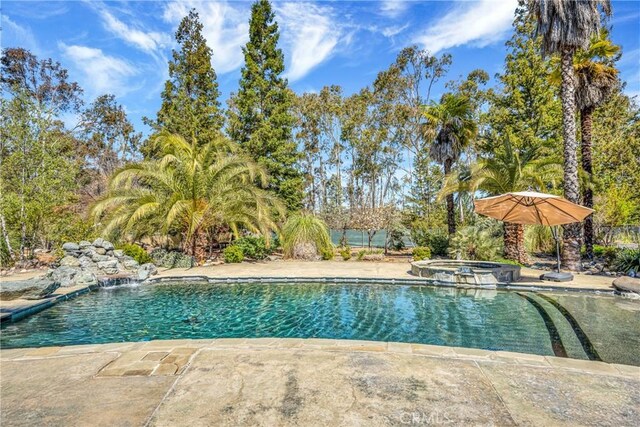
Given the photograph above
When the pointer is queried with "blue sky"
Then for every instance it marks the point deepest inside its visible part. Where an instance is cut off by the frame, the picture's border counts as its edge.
(123, 47)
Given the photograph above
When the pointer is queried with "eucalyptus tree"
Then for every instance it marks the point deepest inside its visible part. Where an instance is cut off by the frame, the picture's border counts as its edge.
(416, 72)
(38, 155)
(110, 138)
(191, 189)
(318, 130)
(506, 170)
(454, 128)
(597, 78)
(566, 26)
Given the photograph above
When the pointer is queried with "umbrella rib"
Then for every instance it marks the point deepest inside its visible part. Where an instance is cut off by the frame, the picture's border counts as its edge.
(512, 208)
(563, 211)
(539, 215)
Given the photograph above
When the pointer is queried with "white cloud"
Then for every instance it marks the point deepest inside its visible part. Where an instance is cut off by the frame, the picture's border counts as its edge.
(393, 8)
(102, 73)
(16, 35)
(394, 30)
(311, 35)
(477, 23)
(225, 27)
(148, 41)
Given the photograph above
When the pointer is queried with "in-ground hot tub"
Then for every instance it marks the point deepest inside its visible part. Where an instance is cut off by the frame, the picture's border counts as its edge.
(461, 272)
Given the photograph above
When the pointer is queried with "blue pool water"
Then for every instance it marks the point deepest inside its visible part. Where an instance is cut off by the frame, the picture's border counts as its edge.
(488, 319)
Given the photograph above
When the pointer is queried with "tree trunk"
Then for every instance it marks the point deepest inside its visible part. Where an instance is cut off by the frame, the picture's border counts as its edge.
(571, 235)
(586, 120)
(5, 236)
(514, 242)
(451, 213)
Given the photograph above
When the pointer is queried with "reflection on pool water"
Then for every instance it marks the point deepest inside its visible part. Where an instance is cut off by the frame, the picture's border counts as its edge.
(488, 319)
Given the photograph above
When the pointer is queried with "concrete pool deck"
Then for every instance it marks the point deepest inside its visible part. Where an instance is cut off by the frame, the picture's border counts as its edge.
(308, 382)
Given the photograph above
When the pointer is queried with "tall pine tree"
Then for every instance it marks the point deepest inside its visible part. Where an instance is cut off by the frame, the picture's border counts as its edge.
(524, 109)
(260, 116)
(190, 105)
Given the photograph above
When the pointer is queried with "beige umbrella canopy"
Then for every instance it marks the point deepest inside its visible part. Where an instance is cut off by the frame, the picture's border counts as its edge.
(529, 207)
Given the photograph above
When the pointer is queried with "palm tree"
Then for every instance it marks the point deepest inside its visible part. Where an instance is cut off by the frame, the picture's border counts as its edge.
(452, 122)
(508, 170)
(597, 77)
(566, 26)
(190, 190)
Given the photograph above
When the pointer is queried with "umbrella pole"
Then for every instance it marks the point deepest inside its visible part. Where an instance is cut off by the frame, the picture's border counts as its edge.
(556, 237)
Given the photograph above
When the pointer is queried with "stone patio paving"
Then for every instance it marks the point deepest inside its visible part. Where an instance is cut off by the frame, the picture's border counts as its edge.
(308, 382)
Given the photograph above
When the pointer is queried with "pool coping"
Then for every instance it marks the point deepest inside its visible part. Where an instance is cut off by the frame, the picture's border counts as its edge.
(378, 281)
(324, 344)
(29, 307)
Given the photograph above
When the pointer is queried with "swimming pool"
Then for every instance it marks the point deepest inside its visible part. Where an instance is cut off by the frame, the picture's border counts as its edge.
(580, 325)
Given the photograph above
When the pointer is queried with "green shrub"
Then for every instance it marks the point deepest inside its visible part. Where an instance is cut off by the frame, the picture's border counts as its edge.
(364, 252)
(345, 253)
(305, 229)
(627, 260)
(421, 252)
(609, 255)
(253, 247)
(395, 237)
(436, 240)
(136, 252)
(598, 250)
(327, 254)
(474, 243)
(506, 261)
(233, 254)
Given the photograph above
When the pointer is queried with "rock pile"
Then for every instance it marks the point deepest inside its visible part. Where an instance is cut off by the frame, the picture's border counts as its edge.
(84, 262)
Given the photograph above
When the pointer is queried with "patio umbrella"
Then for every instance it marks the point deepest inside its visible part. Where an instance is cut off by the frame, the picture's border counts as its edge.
(529, 207)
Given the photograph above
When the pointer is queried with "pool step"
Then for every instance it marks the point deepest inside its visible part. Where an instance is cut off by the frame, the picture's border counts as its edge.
(567, 338)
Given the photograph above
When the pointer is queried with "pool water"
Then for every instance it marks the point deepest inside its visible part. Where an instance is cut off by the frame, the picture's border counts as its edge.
(487, 319)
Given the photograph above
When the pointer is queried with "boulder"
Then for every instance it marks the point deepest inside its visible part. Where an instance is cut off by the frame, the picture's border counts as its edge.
(84, 244)
(118, 253)
(96, 257)
(86, 278)
(70, 261)
(130, 264)
(88, 249)
(109, 267)
(101, 251)
(36, 288)
(146, 270)
(627, 284)
(98, 242)
(70, 246)
(108, 245)
(172, 259)
(87, 263)
(64, 275)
